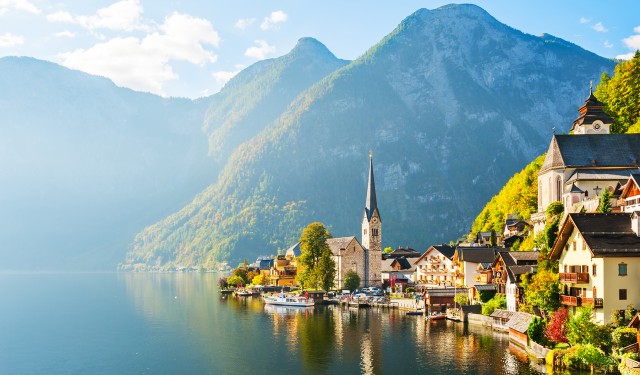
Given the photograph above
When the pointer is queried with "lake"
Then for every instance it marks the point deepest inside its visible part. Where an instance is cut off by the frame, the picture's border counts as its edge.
(178, 323)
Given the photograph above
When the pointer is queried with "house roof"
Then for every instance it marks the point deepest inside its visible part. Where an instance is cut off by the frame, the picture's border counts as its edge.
(634, 180)
(592, 150)
(445, 292)
(294, 250)
(340, 243)
(475, 254)
(605, 234)
(484, 287)
(386, 265)
(402, 252)
(403, 262)
(502, 314)
(445, 250)
(520, 321)
(525, 257)
(518, 263)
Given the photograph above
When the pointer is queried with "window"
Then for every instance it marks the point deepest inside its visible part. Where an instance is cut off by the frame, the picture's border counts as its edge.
(584, 245)
(565, 268)
(558, 189)
(365, 232)
(574, 247)
(374, 231)
(622, 294)
(595, 292)
(593, 270)
(622, 269)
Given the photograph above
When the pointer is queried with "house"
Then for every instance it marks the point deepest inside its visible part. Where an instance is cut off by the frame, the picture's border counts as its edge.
(599, 262)
(402, 252)
(483, 238)
(466, 262)
(400, 270)
(577, 168)
(439, 299)
(507, 269)
(630, 196)
(514, 226)
(435, 266)
(283, 273)
(518, 325)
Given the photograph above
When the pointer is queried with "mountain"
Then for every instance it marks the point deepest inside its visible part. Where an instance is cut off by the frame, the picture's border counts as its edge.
(452, 103)
(86, 164)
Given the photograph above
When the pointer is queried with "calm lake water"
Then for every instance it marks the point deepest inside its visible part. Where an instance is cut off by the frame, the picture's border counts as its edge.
(179, 324)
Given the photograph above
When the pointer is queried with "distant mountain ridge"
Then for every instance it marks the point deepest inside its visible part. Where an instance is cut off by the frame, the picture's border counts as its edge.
(452, 103)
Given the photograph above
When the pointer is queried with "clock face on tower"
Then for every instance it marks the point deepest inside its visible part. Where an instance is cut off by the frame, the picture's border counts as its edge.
(597, 125)
(374, 220)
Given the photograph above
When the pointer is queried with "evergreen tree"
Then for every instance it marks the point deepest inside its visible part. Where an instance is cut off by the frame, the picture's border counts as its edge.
(605, 202)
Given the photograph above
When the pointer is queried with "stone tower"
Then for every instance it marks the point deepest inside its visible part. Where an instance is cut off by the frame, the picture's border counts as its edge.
(372, 233)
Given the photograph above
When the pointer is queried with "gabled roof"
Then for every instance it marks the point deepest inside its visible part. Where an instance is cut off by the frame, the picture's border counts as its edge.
(592, 150)
(518, 263)
(484, 287)
(475, 254)
(402, 252)
(445, 292)
(633, 182)
(605, 234)
(520, 321)
(336, 244)
(293, 250)
(403, 262)
(599, 175)
(445, 250)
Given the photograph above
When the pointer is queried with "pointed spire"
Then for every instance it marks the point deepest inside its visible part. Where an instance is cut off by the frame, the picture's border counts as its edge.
(371, 203)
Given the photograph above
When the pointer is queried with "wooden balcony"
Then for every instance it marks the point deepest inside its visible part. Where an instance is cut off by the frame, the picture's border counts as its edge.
(570, 300)
(593, 302)
(574, 278)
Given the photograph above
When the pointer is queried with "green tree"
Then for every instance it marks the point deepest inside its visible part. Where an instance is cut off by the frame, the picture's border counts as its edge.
(605, 202)
(621, 95)
(461, 299)
(315, 256)
(581, 329)
(542, 290)
(535, 331)
(387, 250)
(351, 280)
(499, 301)
(493, 240)
(235, 280)
(242, 273)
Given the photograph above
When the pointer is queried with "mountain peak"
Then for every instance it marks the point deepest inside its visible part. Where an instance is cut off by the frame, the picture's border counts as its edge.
(311, 47)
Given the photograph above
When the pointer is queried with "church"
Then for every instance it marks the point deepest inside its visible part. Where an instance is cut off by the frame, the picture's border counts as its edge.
(363, 257)
(578, 167)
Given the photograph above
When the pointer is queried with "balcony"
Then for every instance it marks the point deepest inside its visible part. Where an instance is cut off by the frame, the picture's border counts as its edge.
(570, 300)
(575, 278)
(593, 302)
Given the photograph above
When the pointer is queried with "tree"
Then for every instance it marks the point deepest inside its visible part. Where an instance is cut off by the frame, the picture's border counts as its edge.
(581, 329)
(222, 283)
(315, 256)
(556, 330)
(387, 250)
(542, 290)
(499, 301)
(258, 279)
(605, 202)
(535, 331)
(621, 95)
(235, 280)
(461, 299)
(242, 273)
(351, 280)
(493, 240)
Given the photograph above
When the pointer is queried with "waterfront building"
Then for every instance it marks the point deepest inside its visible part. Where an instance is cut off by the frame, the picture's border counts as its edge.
(471, 262)
(435, 266)
(507, 269)
(578, 167)
(400, 270)
(599, 262)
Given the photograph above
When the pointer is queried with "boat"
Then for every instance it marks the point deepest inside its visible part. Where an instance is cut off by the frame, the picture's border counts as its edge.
(414, 312)
(243, 293)
(288, 300)
(436, 316)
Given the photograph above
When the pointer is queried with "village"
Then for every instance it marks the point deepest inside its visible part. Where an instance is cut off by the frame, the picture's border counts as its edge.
(589, 212)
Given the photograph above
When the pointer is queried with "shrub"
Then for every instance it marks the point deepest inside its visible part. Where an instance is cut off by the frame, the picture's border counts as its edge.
(623, 336)
(586, 356)
(461, 299)
(535, 332)
(499, 301)
(556, 330)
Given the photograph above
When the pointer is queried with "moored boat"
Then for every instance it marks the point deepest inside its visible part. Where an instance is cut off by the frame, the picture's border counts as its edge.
(436, 316)
(288, 300)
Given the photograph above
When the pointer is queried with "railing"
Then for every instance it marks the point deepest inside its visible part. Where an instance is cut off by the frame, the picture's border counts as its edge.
(593, 302)
(575, 278)
(570, 300)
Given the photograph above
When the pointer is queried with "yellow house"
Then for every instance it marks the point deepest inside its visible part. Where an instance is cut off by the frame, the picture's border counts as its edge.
(599, 262)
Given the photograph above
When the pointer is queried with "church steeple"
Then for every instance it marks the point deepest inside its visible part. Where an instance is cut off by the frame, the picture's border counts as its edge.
(371, 204)
(593, 119)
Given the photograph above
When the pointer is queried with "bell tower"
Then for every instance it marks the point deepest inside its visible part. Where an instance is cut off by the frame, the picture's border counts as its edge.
(372, 232)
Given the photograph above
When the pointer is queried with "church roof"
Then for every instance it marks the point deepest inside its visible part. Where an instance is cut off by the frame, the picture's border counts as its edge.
(597, 175)
(591, 110)
(371, 204)
(337, 244)
(593, 151)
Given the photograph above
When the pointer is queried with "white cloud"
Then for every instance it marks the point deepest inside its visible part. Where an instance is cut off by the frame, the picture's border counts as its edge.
(65, 34)
(21, 5)
(144, 64)
(274, 18)
(123, 15)
(585, 20)
(633, 42)
(626, 56)
(222, 77)
(599, 27)
(10, 40)
(607, 44)
(244, 23)
(261, 51)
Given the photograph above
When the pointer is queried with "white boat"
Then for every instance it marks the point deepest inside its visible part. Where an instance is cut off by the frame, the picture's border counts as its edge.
(288, 300)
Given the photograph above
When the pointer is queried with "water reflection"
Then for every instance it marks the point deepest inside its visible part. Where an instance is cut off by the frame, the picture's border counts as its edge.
(225, 330)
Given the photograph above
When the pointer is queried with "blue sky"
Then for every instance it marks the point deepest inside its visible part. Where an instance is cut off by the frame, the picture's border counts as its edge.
(190, 48)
